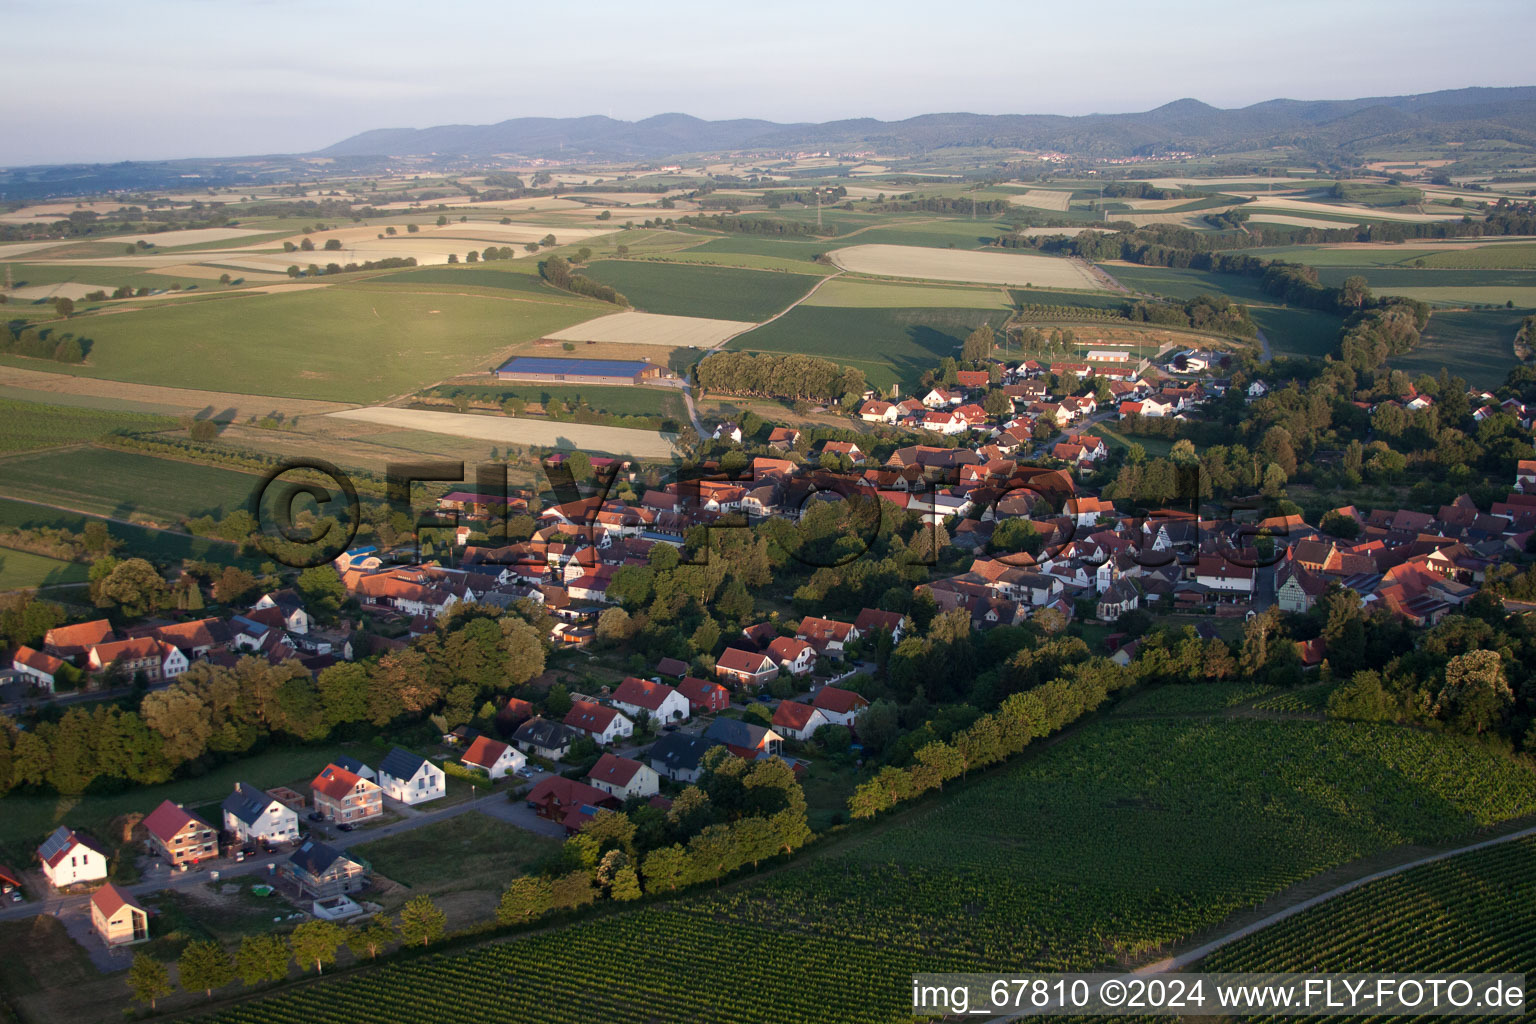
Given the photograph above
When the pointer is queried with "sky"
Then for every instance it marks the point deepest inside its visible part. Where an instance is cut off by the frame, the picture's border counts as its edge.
(95, 81)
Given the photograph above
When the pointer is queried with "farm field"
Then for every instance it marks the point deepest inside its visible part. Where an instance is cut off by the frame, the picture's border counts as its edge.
(889, 345)
(19, 569)
(622, 401)
(506, 430)
(337, 343)
(38, 385)
(1477, 345)
(1224, 828)
(27, 425)
(1183, 283)
(955, 265)
(28, 819)
(720, 293)
(857, 294)
(1473, 912)
(1495, 257)
(1298, 332)
(125, 484)
(1049, 297)
(137, 540)
(469, 850)
(653, 329)
(1392, 280)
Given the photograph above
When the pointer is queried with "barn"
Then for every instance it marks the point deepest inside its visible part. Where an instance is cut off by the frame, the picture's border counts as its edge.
(553, 370)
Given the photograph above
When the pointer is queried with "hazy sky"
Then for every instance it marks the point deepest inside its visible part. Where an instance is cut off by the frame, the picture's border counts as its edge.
(172, 78)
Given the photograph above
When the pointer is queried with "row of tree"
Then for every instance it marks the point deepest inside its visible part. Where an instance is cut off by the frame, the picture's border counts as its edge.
(771, 375)
(559, 273)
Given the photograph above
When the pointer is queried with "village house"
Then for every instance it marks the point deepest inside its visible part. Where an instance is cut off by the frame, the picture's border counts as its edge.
(155, 659)
(840, 706)
(117, 917)
(290, 605)
(543, 738)
(253, 815)
(569, 802)
(493, 757)
(70, 642)
(604, 725)
(340, 795)
(677, 756)
(71, 859)
(746, 668)
(658, 701)
(624, 777)
(744, 739)
(411, 778)
(871, 621)
(36, 667)
(179, 837)
(828, 636)
(796, 657)
(798, 721)
(320, 871)
(704, 696)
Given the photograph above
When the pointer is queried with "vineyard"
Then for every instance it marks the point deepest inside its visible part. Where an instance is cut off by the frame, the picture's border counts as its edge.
(1101, 850)
(1185, 699)
(1476, 912)
(28, 425)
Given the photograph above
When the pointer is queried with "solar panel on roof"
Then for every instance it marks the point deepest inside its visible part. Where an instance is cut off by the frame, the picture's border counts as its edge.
(53, 844)
(590, 367)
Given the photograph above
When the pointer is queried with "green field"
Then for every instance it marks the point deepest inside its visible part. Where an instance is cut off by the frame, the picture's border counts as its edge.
(19, 569)
(853, 293)
(889, 345)
(721, 293)
(1175, 283)
(1094, 853)
(466, 849)
(1477, 345)
(621, 401)
(1475, 912)
(27, 425)
(1049, 297)
(349, 343)
(1298, 332)
(119, 484)
(522, 279)
(161, 545)
(1486, 257)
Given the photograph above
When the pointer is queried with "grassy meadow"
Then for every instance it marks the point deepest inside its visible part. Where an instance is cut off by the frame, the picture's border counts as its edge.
(125, 484)
(721, 293)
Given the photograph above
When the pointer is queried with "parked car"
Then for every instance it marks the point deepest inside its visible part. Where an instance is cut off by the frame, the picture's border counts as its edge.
(669, 727)
(346, 826)
(315, 816)
(16, 897)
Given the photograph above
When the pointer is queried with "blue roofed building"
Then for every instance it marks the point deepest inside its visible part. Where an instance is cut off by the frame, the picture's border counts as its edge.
(553, 369)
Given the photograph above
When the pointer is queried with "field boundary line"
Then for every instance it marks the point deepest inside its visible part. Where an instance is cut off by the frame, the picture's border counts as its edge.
(723, 341)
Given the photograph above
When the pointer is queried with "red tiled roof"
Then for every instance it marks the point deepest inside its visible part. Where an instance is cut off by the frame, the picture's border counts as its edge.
(793, 715)
(165, 821)
(589, 717)
(838, 700)
(615, 770)
(81, 634)
(642, 693)
(737, 660)
(109, 899)
(335, 782)
(787, 648)
(39, 661)
(484, 752)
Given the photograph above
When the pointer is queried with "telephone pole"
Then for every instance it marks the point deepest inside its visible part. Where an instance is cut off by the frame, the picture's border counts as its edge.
(818, 208)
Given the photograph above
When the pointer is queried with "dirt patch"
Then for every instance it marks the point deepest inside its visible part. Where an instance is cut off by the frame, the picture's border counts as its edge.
(654, 329)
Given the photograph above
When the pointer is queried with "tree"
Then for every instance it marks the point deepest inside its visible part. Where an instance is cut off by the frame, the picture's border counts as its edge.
(64, 306)
(322, 590)
(614, 625)
(664, 868)
(261, 958)
(133, 585)
(316, 942)
(421, 919)
(1475, 693)
(372, 938)
(528, 896)
(205, 966)
(522, 648)
(978, 344)
(148, 979)
(878, 725)
(572, 890)
(412, 228)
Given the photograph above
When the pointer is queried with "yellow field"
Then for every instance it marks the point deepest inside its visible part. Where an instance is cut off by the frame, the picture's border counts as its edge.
(1043, 199)
(962, 265)
(654, 329)
(508, 430)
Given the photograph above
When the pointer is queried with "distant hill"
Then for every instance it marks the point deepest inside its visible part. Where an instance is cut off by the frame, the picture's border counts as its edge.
(1187, 124)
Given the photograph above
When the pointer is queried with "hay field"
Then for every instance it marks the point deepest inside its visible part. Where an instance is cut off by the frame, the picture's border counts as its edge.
(1043, 199)
(1303, 207)
(1245, 180)
(188, 236)
(856, 294)
(61, 289)
(633, 328)
(959, 265)
(507, 430)
(1296, 222)
(1189, 219)
(108, 394)
(11, 250)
